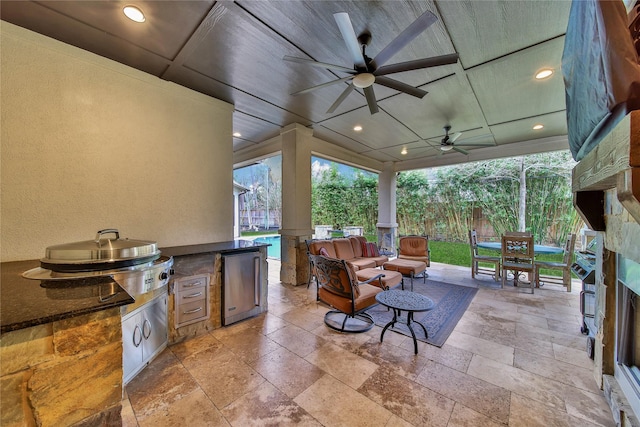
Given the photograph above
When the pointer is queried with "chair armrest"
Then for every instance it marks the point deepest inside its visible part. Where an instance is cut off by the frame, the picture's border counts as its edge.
(376, 277)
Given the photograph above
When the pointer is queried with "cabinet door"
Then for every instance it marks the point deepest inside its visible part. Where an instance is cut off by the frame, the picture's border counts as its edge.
(154, 327)
(131, 345)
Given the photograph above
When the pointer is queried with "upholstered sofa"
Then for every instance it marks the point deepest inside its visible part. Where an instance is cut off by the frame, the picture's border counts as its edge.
(360, 255)
(353, 249)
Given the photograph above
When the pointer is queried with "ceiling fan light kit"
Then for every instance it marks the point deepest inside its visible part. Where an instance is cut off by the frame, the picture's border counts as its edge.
(367, 71)
(363, 80)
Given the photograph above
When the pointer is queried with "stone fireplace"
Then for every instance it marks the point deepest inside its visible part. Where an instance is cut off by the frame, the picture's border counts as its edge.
(606, 187)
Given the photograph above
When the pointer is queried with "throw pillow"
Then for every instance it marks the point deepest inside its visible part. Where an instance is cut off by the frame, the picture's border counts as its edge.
(370, 250)
(324, 252)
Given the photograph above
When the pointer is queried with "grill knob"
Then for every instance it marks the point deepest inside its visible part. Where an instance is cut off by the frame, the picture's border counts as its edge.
(164, 275)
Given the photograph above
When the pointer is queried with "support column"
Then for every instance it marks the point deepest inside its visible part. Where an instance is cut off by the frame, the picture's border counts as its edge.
(296, 205)
(387, 226)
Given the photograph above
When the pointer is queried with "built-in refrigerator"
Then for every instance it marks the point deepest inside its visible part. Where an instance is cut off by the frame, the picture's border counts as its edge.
(241, 296)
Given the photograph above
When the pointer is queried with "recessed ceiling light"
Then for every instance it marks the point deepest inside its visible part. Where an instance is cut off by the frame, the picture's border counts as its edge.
(134, 13)
(544, 73)
(404, 151)
(538, 127)
(237, 134)
(357, 128)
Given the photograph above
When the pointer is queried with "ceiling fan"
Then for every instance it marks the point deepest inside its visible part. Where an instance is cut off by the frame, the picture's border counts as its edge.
(367, 71)
(448, 142)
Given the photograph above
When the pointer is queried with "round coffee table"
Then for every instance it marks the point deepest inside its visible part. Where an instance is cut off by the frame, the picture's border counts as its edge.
(410, 302)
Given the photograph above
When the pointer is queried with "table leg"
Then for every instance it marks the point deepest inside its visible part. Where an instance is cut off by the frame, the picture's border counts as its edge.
(413, 334)
(396, 313)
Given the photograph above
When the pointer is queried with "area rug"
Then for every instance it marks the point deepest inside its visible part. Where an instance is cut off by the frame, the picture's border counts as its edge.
(451, 303)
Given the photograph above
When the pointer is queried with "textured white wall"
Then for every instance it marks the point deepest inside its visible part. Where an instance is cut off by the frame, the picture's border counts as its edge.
(88, 143)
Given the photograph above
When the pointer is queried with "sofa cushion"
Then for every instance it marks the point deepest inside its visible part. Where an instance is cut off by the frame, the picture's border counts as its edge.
(361, 263)
(366, 298)
(356, 244)
(370, 250)
(379, 260)
(314, 248)
(343, 249)
(390, 279)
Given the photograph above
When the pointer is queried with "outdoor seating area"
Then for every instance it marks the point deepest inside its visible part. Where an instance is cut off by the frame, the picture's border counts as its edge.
(359, 253)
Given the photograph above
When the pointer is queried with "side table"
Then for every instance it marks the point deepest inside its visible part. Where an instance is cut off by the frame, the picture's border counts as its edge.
(410, 302)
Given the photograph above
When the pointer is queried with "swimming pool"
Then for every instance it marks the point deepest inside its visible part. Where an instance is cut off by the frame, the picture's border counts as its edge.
(273, 251)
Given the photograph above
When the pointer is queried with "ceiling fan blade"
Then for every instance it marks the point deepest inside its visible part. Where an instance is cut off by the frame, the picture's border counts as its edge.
(460, 150)
(411, 32)
(319, 64)
(417, 64)
(350, 38)
(310, 89)
(341, 98)
(371, 99)
(454, 137)
(402, 87)
(475, 144)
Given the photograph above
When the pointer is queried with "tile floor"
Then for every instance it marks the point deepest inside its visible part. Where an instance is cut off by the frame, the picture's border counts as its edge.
(514, 359)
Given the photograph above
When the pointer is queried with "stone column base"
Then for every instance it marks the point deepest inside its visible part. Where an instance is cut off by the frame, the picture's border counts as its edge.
(621, 410)
(387, 239)
(294, 262)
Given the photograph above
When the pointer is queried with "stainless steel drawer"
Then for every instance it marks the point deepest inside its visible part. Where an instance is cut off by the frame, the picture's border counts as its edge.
(191, 299)
(190, 283)
(191, 312)
(191, 295)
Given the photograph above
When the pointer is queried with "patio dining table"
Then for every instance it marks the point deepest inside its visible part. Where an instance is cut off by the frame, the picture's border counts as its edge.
(537, 249)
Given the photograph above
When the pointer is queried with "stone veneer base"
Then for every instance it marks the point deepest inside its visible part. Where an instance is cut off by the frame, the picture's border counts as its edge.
(622, 413)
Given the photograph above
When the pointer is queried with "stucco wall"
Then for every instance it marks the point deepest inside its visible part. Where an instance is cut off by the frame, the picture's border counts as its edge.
(88, 143)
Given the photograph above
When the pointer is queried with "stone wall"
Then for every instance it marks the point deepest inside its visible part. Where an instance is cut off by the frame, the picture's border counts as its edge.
(64, 373)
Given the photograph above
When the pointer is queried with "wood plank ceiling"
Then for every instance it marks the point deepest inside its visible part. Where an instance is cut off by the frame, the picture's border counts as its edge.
(233, 50)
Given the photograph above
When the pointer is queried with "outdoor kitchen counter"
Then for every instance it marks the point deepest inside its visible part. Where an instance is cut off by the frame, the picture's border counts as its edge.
(218, 247)
(207, 260)
(26, 302)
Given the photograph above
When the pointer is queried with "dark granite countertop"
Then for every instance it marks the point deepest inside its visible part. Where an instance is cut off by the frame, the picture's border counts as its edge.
(25, 302)
(221, 247)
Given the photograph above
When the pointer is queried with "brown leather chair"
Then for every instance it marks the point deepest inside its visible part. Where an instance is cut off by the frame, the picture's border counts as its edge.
(415, 248)
(340, 288)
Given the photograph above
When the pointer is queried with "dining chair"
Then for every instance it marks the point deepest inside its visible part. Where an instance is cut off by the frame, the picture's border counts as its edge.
(565, 265)
(518, 233)
(517, 256)
(476, 259)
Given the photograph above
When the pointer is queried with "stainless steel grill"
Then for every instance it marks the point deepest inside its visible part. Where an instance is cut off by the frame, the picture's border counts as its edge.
(585, 268)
